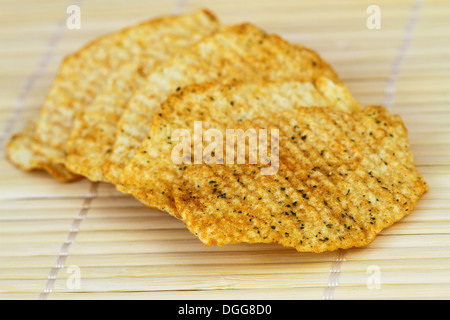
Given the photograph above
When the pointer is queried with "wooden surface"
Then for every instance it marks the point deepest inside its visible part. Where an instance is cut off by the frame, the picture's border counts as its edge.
(52, 235)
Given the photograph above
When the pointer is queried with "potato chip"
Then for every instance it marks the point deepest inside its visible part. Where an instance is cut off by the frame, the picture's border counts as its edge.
(18, 152)
(152, 172)
(342, 179)
(82, 76)
(239, 52)
(94, 127)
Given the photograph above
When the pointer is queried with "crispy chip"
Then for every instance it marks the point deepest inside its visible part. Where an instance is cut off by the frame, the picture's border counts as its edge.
(94, 127)
(18, 149)
(82, 76)
(18, 152)
(342, 179)
(240, 52)
(151, 173)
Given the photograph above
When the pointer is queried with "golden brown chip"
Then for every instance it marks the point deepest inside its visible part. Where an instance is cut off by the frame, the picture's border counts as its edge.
(18, 152)
(18, 149)
(337, 94)
(240, 52)
(342, 178)
(82, 76)
(151, 173)
(94, 127)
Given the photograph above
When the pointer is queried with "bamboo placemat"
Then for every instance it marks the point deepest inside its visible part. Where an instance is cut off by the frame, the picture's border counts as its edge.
(85, 240)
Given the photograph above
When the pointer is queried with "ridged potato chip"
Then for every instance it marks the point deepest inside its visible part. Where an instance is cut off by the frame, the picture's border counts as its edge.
(81, 77)
(18, 152)
(152, 172)
(240, 52)
(94, 127)
(342, 179)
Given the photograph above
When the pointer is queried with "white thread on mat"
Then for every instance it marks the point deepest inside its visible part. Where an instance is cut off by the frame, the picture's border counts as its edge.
(333, 280)
(82, 214)
(389, 90)
(64, 250)
(31, 80)
(335, 270)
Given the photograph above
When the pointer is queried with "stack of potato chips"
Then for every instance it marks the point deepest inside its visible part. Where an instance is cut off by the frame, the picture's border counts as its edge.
(342, 173)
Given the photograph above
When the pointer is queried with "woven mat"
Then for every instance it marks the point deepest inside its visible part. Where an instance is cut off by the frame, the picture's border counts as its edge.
(85, 240)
